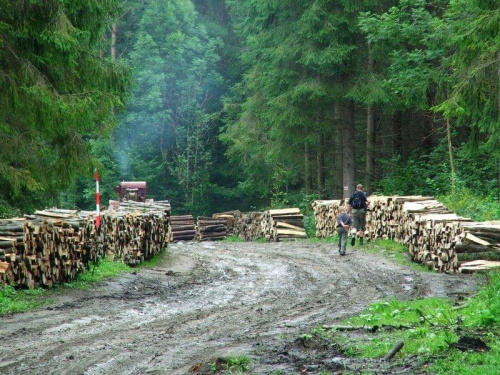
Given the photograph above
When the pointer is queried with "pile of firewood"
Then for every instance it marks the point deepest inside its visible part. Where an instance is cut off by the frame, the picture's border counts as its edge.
(149, 207)
(248, 226)
(283, 224)
(325, 215)
(181, 228)
(211, 229)
(434, 235)
(478, 246)
(53, 246)
(231, 218)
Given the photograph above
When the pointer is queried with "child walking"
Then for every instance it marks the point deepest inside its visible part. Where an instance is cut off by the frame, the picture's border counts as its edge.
(343, 223)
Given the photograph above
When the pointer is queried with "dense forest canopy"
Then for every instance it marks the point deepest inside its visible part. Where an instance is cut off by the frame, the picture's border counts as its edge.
(223, 105)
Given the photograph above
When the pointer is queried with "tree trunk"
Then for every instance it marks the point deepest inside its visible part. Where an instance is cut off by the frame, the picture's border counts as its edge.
(450, 152)
(348, 150)
(113, 41)
(370, 134)
(397, 136)
(320, 161)
(307, 169)
(498, 77)
(337, 170)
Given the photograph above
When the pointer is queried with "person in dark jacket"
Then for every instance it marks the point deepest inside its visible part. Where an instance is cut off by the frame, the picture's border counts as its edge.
(343, 223)
(358, 203)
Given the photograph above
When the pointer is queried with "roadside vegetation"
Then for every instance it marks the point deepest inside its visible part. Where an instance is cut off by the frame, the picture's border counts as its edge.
(19, 300)
(443, 336)
(232, 365)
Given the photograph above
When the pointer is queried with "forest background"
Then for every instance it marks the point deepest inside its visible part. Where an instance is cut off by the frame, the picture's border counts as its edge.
(225, 104)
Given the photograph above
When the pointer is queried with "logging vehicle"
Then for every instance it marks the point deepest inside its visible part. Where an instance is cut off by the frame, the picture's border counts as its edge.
(131, 191)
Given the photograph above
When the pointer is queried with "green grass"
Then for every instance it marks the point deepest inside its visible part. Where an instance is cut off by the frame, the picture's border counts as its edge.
(472, 204)
(232, 365)
(232, 238)
(238, 363)
(429, 328)
(12, 300)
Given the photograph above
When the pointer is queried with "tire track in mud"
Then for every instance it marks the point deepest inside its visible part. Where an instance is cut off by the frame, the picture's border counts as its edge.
(208, 300)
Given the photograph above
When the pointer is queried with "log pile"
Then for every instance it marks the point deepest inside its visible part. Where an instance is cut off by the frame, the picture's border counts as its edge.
(283, 224)
(434, 235)
(181, 228)
(248, 226)
(325, 215)
(211, 229)
(478, 246)
(231, 217)
(150, 207)
(53, 246)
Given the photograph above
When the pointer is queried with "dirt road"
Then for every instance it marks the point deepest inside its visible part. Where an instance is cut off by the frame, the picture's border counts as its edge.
(208, 300)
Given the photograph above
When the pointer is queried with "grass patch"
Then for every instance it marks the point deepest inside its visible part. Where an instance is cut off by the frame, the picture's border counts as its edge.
(156, 260)
(468, 203)
(238, 364)
(13, 300)
(233, 238)
(105, 269)
(431, 329)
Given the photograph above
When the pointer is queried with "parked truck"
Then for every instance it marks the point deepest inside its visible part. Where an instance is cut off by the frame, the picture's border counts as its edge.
(131, 191)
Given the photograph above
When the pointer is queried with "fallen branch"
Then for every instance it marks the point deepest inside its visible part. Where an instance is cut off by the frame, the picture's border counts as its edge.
(394, 350)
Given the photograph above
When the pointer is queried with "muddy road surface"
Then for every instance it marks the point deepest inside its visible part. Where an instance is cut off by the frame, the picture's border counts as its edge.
(205, 301)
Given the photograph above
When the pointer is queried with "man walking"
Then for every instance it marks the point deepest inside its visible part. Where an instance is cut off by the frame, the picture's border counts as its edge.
(358, 203)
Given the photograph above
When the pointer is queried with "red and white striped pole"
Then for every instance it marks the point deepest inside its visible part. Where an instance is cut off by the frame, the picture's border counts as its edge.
(97, 200)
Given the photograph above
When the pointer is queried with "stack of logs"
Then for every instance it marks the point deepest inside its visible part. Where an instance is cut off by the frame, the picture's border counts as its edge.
(53, 246)
(211, 229)
(478, 246)
(248, 226)
(230, 217)
(283, 224)
(434, 235)
(181, 228)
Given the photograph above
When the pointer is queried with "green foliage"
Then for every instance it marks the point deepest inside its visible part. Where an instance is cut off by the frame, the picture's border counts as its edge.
(484, 309)
(238, 363)
(12, 300)
(57, 94)
(233, 238)
(104, 270)
(429, 330)
(477, 206)
(165, 138)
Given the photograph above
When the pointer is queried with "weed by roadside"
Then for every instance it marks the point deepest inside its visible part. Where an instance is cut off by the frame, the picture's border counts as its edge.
(444, 338)
(13, 300)
(233, 365)
(232, 238)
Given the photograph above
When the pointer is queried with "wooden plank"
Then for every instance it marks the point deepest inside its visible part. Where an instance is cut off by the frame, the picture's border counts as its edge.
(292, 232)
(282, 224)
(285, 211)
(470, 238)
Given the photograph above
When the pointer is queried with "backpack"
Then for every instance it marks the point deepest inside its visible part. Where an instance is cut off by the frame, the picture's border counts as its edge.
(358, 200)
